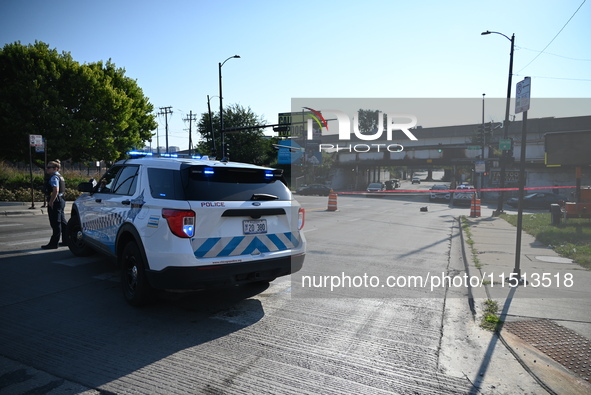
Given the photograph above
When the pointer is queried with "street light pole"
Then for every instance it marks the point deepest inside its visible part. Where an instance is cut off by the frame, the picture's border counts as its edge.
(482, 142)
(213, 152)
(222, 108)
(506, 123)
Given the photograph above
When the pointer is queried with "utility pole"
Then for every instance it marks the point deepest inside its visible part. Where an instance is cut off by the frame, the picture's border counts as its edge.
(165, 111)
(213, 153)
(190, 118)
(483, 139)
(158, 140)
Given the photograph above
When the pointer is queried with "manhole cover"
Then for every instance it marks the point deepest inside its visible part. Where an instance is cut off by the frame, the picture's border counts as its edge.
(563, 345)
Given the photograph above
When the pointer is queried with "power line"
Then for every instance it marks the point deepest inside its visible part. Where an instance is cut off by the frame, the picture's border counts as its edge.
(553, 78)
(560, 31)
(553, 54)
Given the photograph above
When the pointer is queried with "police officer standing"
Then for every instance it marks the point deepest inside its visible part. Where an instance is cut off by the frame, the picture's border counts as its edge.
(56, 187)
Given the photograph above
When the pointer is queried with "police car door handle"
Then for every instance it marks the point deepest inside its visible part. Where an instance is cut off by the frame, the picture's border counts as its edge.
(126, 202)
(98, 200)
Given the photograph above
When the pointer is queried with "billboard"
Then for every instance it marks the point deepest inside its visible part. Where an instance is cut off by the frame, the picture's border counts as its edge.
(567, 148)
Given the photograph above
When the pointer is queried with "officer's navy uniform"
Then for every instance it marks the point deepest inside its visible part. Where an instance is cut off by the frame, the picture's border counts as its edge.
(57, 216)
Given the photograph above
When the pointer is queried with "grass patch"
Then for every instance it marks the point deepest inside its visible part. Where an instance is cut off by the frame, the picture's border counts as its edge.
(490, 320)
(571, 239)
(468, 233)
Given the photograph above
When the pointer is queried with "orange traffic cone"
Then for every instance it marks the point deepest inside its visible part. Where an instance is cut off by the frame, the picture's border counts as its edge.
(332, 201)
(475, 207)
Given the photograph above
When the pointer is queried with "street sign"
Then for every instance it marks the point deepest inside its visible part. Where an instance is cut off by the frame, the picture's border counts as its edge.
(289, 152)
(522, 95)
(511, 177)
(294, 125)
(36, 140)
(474, 147)
(480, 166)
(504, 144)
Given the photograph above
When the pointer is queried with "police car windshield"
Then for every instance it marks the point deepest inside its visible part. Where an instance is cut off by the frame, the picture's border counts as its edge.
(202, 183)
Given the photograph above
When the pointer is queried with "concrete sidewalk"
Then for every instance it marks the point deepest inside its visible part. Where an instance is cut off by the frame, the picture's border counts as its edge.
(547, 318)
(27, 208)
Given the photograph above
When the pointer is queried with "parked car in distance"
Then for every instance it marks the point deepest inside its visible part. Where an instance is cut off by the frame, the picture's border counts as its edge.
(465, 195)
(438, 194)
(314, 189)
(415, 180)
(375, 187)
(392, 184)
(538, 200)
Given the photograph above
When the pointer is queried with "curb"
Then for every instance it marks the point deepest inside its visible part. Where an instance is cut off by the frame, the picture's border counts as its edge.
(550, 375)
(20, 208)
(467, 255)
(23, 212)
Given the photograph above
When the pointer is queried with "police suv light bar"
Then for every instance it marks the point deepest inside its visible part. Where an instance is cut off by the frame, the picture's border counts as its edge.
(142, 154)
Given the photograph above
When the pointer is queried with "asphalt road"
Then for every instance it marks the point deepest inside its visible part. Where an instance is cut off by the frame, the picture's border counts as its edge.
(66, 317)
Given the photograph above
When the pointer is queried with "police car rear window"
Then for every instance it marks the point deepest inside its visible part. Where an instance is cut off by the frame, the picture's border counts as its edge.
(233, 184)
(165, 184)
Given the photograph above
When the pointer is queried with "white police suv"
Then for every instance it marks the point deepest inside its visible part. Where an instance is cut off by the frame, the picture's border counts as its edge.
(189, 223)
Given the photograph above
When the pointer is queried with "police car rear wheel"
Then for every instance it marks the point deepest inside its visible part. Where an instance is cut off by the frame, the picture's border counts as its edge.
(136, 289)
(76, 244)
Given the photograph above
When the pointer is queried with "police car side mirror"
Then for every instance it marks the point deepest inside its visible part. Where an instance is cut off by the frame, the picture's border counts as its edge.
(86, 186)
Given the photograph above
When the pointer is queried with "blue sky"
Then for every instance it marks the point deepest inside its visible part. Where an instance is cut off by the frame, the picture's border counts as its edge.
(315, 49)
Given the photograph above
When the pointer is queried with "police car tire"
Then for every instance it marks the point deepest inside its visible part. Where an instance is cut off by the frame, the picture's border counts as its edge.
(77, 246)
(136, 289)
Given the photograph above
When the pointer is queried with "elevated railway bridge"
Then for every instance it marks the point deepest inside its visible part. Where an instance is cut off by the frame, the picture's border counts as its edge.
(457, 149)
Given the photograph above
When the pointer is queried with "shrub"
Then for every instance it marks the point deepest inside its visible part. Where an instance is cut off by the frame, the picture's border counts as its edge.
(6, 195)
(16, 184)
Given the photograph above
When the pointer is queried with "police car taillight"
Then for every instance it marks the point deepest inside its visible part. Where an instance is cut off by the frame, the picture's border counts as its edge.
(180, 222)
(301, 218)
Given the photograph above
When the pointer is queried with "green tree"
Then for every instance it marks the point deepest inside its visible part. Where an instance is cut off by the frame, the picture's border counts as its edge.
(248, 145)
(368, 121)
(86, 112)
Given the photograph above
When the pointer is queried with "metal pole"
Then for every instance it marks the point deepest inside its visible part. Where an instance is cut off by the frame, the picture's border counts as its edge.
(222, 135)
(222, 108)
(31, 174)
(45, 164)
(213, 153)
(517, 270)
(504, 156)
(166, 120)
(190, 140)
(505, 124)
(482, 145)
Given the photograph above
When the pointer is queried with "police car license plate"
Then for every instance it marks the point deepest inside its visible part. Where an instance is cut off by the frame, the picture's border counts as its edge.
(254, 226)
